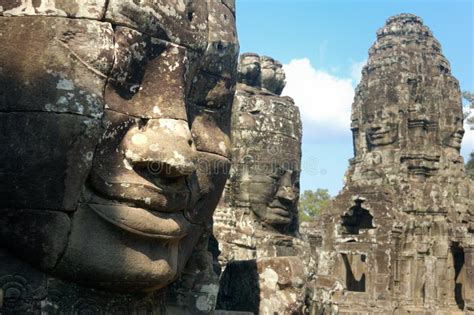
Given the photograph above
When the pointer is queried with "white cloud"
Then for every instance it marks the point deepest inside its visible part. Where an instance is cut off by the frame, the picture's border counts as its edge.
(324, 99)
(468, 141)
(356, 70)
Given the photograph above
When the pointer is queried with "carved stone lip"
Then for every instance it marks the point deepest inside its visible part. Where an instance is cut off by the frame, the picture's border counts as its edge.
(140, 193)
(458, 136)
(282, 211)
(378, 134)
(139, 221)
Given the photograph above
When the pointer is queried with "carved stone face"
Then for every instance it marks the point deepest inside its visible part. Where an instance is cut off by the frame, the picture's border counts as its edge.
(452, 130)
(249, 69)
(119, 141)
(266, 165)
(381, 126)
(273, 196)
(273, 76)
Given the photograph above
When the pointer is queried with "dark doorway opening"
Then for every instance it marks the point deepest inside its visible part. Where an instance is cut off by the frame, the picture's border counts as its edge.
(357, 218)
(459, 275)
(355, 272)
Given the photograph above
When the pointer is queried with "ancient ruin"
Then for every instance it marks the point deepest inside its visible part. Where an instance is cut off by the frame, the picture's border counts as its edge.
(256, 222)
(259, 203)
(115, 125)
(398, 238)
(119, 140)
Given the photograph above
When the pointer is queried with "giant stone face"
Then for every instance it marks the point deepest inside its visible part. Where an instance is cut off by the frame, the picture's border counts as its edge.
(115, 124)
(266, 134)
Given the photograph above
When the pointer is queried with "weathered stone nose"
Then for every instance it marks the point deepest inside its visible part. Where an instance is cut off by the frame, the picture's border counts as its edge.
(286, 193)
(164, 146)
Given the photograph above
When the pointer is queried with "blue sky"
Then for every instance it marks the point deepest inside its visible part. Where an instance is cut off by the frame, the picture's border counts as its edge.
(324, 44)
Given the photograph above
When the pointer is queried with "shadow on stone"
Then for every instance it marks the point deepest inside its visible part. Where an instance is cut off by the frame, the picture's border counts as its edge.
(239, 290)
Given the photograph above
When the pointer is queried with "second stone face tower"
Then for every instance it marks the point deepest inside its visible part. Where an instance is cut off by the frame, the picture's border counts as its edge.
(256, 223)
(262, 192)
(397, 238)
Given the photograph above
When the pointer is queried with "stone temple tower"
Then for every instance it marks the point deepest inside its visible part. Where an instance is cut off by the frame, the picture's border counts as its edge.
(398, 238)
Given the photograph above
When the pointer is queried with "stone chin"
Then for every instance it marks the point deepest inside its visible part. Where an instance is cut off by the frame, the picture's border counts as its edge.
(124, 248)
(275, 216)
(454, 140)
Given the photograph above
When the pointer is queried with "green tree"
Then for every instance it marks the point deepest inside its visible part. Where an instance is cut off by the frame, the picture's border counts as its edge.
(312, 204)
(468, 96)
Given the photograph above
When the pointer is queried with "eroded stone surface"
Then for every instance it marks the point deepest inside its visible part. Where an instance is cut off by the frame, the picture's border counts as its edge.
(184, 23)
(109, 126)
(30, 240)
(257, 217)
(42, 166)
(262, 192)
(63, 65)
(396, 238)
(91, 9)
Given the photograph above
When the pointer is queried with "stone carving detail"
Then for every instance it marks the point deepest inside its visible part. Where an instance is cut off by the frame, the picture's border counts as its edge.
(266, 133)
(262, 191)
(115, 122)
(405, 246)
(256, 221)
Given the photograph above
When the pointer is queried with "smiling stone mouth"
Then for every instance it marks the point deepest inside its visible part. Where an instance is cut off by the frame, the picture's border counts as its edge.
(142, 194)
(143, 222)
(281, 210)
(379, 134)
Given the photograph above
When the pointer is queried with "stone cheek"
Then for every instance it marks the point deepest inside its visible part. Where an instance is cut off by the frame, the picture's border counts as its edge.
(55, 183)
(72, 59)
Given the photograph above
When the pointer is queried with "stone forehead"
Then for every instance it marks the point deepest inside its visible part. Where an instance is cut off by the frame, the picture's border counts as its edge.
(187, 23)
(269, 62)
(273, 156)
(269, 168)
(249, 55)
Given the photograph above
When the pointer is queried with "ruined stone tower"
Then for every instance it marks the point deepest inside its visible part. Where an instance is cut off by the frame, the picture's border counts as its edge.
(398, 238)
(256, 222)
(257, 216)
